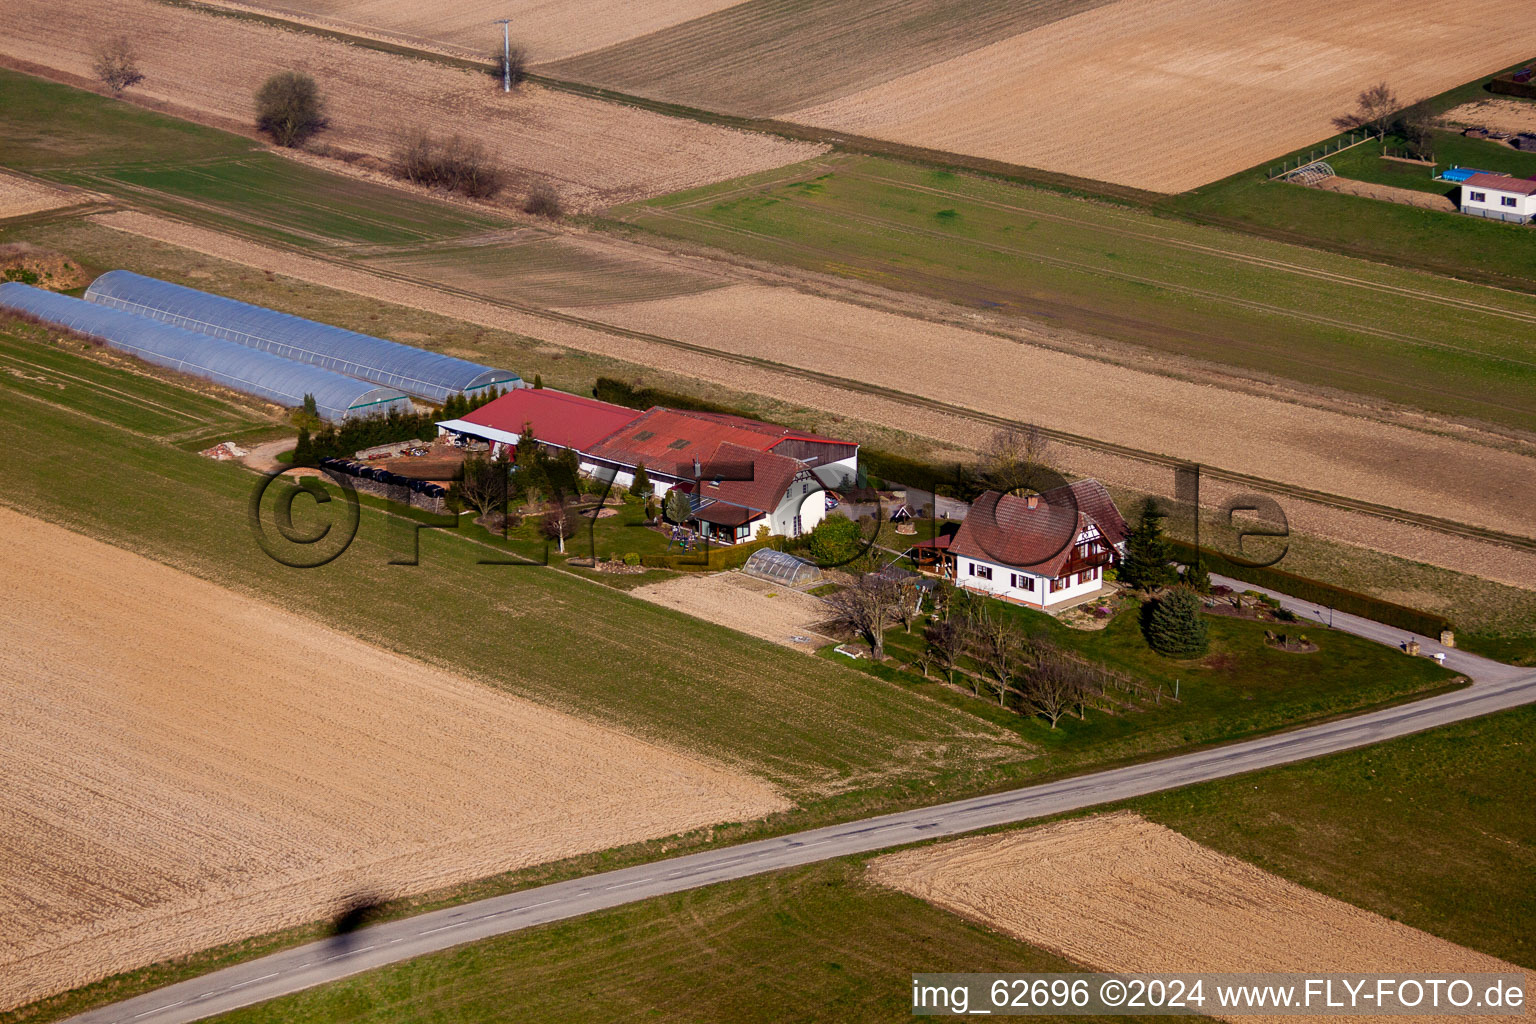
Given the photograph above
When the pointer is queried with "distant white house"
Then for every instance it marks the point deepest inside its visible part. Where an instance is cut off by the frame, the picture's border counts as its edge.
(1499, 197)
(1039, 550)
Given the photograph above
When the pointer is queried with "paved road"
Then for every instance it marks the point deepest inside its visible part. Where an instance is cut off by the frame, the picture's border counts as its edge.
(1496, 688)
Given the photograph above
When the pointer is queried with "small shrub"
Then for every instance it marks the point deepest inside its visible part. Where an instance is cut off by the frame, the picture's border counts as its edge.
(502, 62)
(116, 63)
(632, 558)
(543, 201)
(455, 164)
(289, 108)
(21, 274)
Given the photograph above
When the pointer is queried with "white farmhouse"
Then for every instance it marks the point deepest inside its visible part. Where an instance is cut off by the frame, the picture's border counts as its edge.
(1040, 550)
(1499, 197)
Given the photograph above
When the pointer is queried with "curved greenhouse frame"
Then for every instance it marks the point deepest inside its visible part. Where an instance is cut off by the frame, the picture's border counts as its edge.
(262, 374)
(429, 375)
(781, 567)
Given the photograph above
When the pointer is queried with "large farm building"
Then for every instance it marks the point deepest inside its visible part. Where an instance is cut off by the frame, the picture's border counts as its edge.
(740, 475)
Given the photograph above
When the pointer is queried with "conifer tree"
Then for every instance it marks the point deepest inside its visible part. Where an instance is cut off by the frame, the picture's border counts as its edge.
(1173, 625)
(1147, 552)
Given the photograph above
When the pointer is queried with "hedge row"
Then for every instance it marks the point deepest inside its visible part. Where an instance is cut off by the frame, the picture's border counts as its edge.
(717, 559)
(1338, 598)
(618, 392)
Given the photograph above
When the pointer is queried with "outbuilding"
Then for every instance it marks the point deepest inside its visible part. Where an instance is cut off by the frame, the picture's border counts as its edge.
(1499, 197)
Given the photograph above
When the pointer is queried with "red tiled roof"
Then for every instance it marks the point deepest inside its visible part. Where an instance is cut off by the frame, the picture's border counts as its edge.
(769, 476)
(1501, 183)
(772, 431)
(1003, 529)
(569, 421)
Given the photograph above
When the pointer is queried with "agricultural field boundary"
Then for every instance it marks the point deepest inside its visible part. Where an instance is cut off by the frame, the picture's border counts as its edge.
(1435, 523)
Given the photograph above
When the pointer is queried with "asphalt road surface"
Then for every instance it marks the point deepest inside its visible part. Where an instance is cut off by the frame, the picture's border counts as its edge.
(1496, 687)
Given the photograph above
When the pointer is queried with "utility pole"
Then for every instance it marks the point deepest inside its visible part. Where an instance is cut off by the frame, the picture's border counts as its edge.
(506, 53)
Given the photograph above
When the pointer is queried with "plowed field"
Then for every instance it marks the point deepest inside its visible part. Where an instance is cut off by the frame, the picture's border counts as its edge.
(19, 196)
(1169, 94)
(209, 67)
(1118, 893)
(185, 766)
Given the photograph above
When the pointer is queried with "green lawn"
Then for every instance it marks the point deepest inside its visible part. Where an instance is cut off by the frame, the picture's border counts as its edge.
(1254, 305)
(1434, 830)
(205, 175)
(1240, 687)
(1366, 163)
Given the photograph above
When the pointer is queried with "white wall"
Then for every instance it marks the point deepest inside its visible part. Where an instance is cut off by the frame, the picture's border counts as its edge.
(804, 498)
(1000, 585)
(1525, 206)
(833, 473)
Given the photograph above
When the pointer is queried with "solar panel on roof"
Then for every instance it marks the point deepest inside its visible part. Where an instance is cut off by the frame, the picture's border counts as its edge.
(247, 370)
(430, 375)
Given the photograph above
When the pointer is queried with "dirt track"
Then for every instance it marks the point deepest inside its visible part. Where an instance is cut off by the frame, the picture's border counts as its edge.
(1169, 94)
(596, 153)
(188, 767)
(1118, 893)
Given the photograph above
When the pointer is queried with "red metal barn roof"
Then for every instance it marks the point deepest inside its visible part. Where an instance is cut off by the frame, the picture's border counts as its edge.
(772, 431)
(668, 440)
(569, 421)
(1501, 183)
(1003, 529)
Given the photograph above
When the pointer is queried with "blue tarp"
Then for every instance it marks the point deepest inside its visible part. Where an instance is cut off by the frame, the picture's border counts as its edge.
(1458, 173)
(416, 371)
(244, 369)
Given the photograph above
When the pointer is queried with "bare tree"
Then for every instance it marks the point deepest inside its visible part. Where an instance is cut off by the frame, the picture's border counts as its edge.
(1014, 461)
(1373, 112)
(559, 524)
(543, 201)
(484, 485)
(867, 607)
(116, 63)
(997, 647)
(289, 108)
(1053, 686)
(514, 61)
(944, 640)
(909, 602)
(456, 164)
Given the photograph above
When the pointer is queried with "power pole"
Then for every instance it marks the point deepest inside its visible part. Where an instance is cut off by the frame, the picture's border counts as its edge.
(506, 53)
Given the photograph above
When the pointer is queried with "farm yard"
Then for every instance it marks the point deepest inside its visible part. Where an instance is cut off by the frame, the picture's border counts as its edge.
(1155, 94)
(1118, 893)
(264, 769)
(593, 153)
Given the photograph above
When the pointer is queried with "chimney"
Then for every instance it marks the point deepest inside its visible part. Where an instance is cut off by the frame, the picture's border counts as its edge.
(698, 471)
(1033, 501)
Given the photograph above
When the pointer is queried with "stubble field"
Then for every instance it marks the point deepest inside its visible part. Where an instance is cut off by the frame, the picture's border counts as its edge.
(191, 766)
(209, 67)
(1118, 893)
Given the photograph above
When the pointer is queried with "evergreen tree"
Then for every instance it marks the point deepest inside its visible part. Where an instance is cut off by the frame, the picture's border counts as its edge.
(1173, 625)
(530, 472)
(304, 450)
(642, 483)
(676, 508)
(1147, 552)
(1198, 578)
(538, 380)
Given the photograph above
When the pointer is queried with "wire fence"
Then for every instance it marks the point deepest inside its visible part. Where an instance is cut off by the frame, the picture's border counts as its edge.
(1294, 163)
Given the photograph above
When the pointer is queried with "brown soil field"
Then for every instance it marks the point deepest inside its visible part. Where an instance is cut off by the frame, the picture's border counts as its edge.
(945, 430)
(1277, 440)
(1387, 193)
(596, 154)
(1118, 893)
(1166, 95)
(763, 57)
(547, 29)
(20, 196)
(191, 767)
(743, 603)
(1500, 115)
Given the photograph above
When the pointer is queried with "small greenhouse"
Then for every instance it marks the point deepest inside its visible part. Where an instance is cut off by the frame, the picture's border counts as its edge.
(781, 567)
